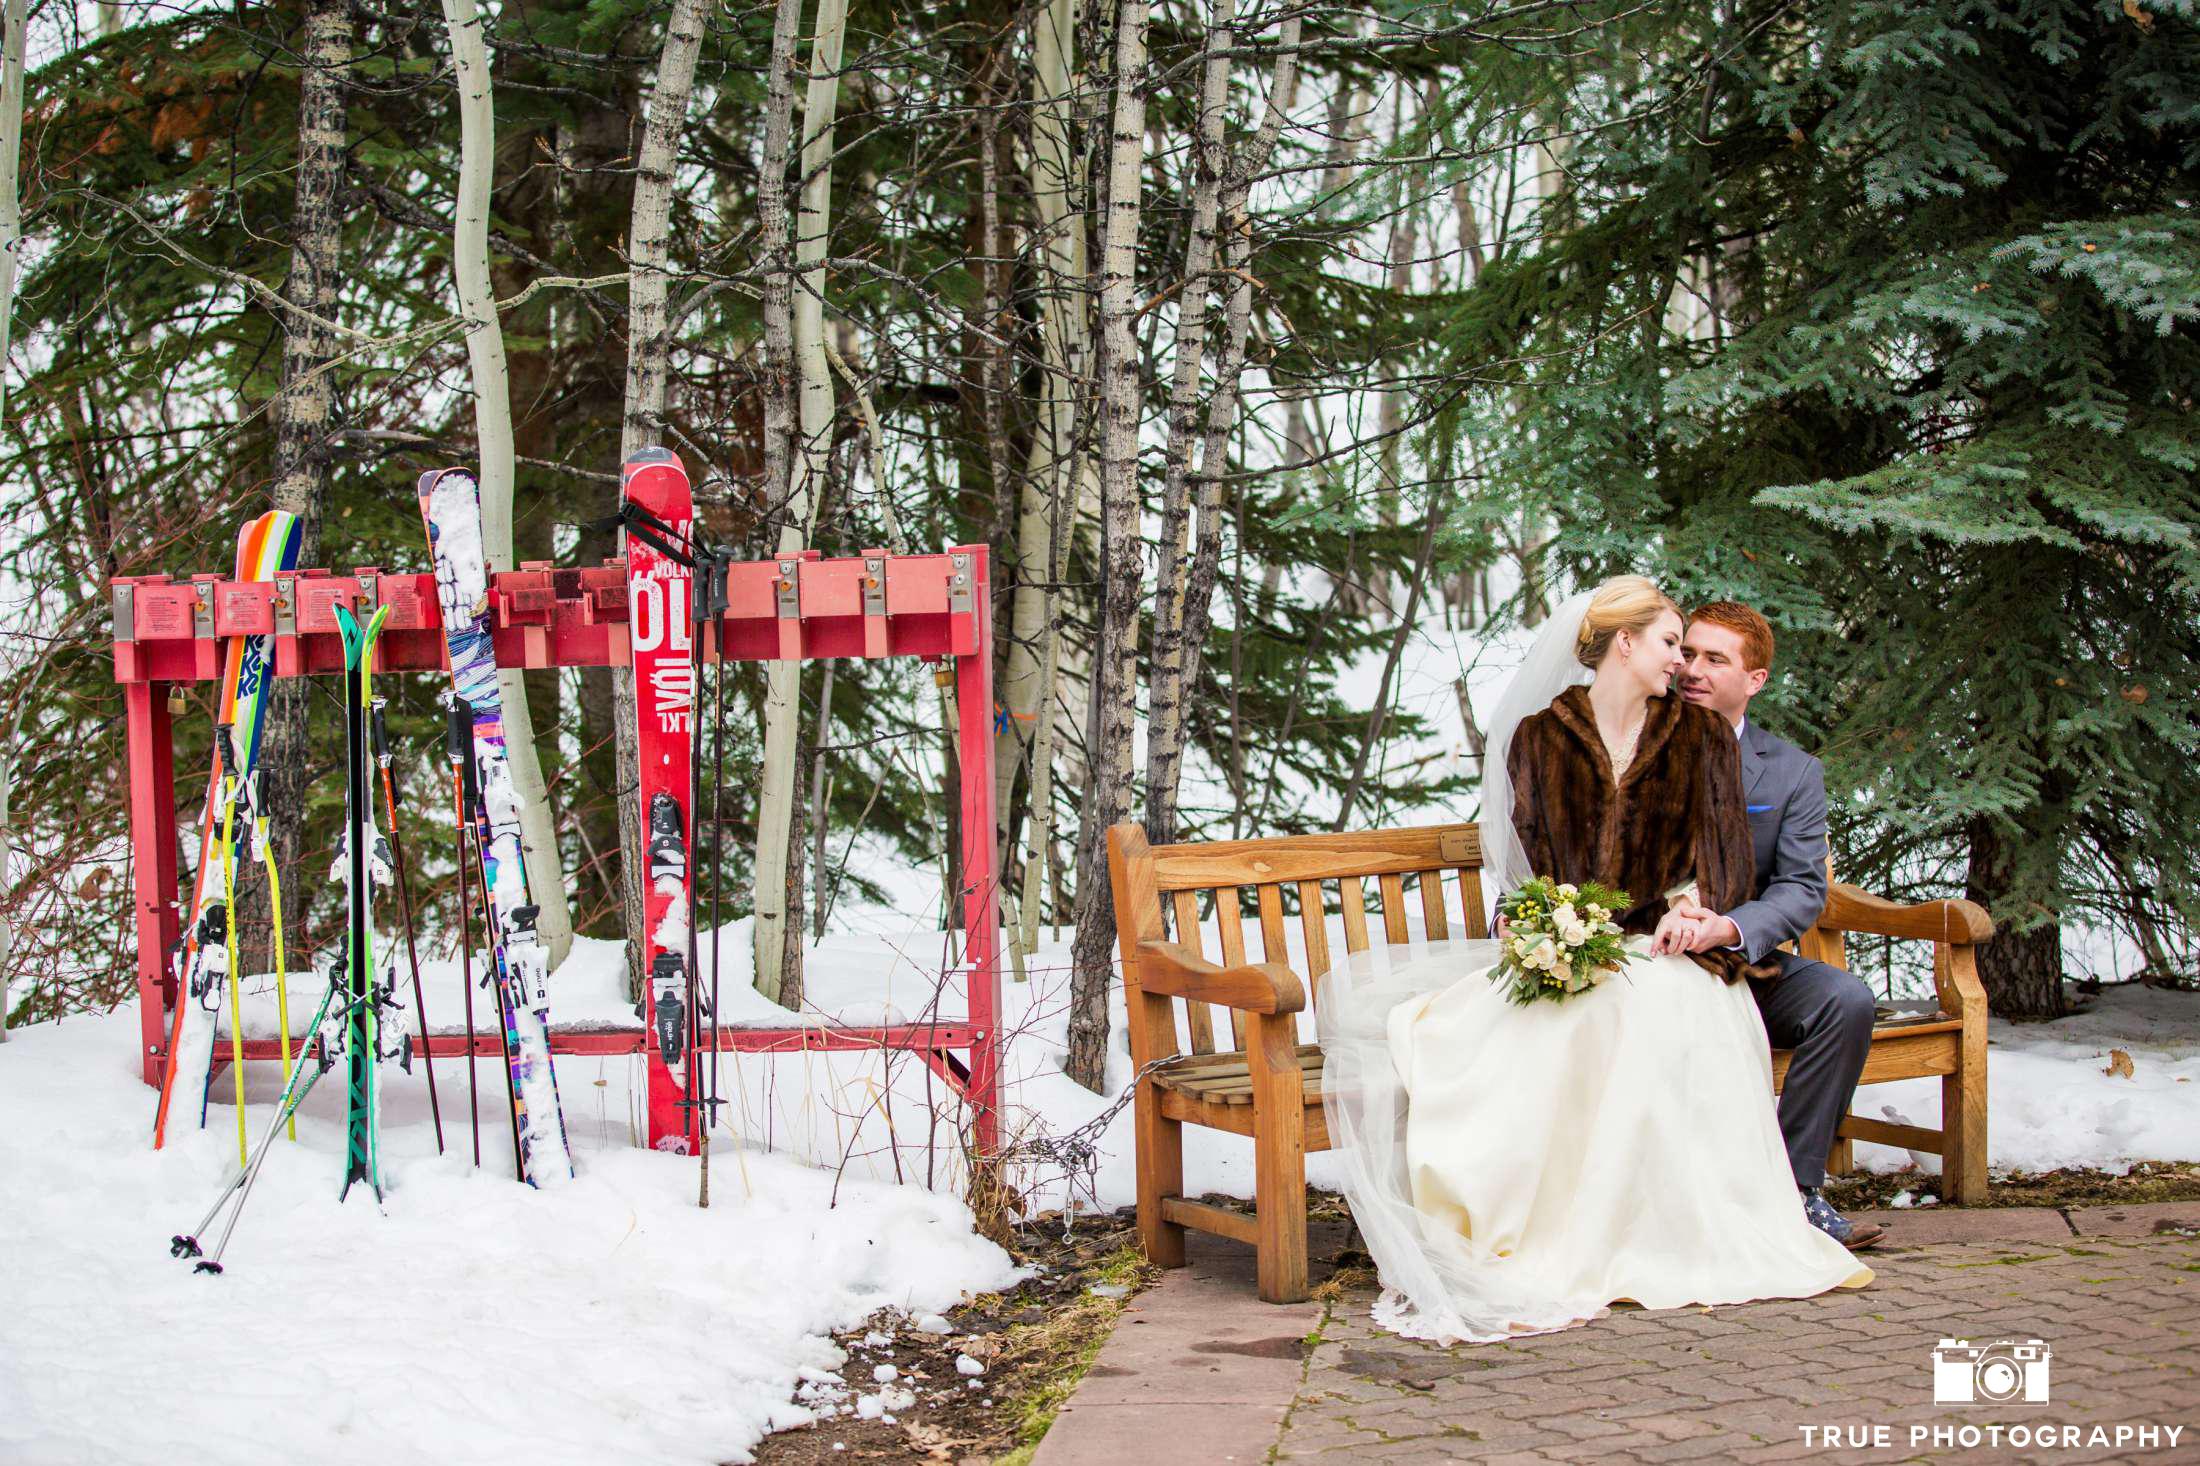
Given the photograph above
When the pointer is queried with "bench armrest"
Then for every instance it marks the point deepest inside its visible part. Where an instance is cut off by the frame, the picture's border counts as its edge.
(1955, 928)
(1257, 987)
(1958, 923)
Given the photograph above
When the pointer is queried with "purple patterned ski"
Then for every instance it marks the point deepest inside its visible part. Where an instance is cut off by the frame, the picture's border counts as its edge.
(450, 502)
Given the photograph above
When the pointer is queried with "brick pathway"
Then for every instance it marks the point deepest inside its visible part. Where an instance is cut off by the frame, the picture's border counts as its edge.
(2121, 1314)
(1201, 1373)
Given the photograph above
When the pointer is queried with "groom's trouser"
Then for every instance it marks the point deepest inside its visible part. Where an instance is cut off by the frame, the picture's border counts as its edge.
(1825, 1015)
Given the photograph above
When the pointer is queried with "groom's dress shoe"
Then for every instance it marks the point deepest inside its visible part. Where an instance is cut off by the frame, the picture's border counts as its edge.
(1855, 1236)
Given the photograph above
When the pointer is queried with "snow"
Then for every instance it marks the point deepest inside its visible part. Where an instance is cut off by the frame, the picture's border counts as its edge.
(2051, 1104)
(454, 505)
(611, 1319)
(471, 1318)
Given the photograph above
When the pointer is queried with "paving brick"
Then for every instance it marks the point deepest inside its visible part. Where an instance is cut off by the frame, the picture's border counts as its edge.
(1736, 1383)
(2145, 1219)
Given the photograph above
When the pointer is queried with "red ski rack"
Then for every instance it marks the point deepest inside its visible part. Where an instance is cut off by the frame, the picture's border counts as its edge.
(792, 608)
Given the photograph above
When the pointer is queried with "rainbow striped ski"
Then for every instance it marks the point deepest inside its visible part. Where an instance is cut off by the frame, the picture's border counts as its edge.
(450, 503)
(266, 546)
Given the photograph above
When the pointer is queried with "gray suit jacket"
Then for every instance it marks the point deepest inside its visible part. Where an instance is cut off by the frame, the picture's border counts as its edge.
(1785, 789)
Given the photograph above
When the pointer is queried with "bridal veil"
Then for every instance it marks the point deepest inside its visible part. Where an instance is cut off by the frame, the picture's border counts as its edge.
(1438, 1283)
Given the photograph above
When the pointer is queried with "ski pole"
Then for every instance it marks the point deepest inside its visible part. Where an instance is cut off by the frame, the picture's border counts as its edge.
(698, 1113)
(229, 936)
(717, 803)
(295, 1090)
(256, 802)
(404, 906)
(466, 973)
(462, 738)
(455, 750)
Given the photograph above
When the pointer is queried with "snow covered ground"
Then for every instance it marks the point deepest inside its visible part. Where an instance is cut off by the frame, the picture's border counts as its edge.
(611, 1320)
(468, 1318)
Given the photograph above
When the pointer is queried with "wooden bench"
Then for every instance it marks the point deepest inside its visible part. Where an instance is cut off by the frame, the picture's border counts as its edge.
(1245, 1070)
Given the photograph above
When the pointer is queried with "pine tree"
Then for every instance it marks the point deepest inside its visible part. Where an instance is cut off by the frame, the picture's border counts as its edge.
(1926, 398)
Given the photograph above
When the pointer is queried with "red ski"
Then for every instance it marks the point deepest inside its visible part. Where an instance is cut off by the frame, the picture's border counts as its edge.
(658, 512)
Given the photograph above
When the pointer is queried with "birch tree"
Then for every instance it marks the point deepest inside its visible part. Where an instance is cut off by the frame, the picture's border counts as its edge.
(1182, 608)
(1115, 663)
(1056, 469)
(778, 873)
(1168, 690)
(12, 25)
(304, 409)
(648, 368)
(493, 436)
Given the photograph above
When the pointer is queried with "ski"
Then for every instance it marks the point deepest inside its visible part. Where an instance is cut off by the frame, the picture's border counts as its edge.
(265, 547)
(657, 511)
(450, 503)
(362, 863)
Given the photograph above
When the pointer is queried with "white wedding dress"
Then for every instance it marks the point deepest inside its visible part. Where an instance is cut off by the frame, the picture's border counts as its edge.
(1517, 1169)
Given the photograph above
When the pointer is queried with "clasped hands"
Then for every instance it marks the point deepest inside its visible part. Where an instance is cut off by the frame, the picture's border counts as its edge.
(1693, 927)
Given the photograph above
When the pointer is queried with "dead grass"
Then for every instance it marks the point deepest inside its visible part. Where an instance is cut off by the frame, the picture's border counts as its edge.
(1038, 1339)
(2147, 1181)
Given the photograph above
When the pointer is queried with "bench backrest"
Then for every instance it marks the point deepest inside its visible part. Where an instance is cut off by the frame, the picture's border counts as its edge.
(1438, 868)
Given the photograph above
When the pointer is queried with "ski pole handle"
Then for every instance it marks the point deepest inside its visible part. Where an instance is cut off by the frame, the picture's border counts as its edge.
(379, 730)
(458, 746)
(227, 747)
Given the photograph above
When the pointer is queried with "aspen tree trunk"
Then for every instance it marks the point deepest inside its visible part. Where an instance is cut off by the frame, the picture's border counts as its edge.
(304, 413)
(1167, 687)
(648, 367)
(12, 25)
(493, 434)
(1055, 469)
(775, 258)
(1195, 596)
(649, 323)
(778, 857)
(1115, 664)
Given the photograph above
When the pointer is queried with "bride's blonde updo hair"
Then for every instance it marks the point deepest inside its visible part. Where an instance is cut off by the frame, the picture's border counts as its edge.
(1623, 603)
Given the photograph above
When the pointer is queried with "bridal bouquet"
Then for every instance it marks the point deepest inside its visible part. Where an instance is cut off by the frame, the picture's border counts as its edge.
(1560, 939)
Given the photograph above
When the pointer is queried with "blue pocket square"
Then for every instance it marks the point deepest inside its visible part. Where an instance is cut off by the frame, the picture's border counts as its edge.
(1760, 809)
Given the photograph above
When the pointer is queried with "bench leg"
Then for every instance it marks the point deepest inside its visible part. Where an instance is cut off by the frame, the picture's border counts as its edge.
(1963, 1137)
(1160, 1173)
(1841, 1159)
(1279, 1163)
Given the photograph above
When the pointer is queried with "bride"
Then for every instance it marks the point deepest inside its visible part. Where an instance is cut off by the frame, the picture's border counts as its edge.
(1516, 1169)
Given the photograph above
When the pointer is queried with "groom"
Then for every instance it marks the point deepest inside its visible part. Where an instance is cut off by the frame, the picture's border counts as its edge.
(1821, 1012)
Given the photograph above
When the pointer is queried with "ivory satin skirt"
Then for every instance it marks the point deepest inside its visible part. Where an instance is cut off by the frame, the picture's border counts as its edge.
(1518, 1169)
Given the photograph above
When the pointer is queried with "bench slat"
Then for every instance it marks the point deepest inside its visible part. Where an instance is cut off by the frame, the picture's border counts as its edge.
(1196, 1015)
(1274, 945)
(1230, 921)
(1315, 857)
(1394, 907)
(1314, 930)
(1470, 901)
(1432, 905)
(1355, 913)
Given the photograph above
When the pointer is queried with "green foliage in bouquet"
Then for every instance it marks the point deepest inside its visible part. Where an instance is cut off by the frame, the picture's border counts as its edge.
(1560, 939)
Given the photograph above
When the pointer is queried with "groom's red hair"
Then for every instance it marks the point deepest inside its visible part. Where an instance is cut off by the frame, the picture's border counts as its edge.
(1754, 630)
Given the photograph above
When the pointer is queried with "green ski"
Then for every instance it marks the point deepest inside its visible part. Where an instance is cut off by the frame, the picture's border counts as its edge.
(362, 861)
